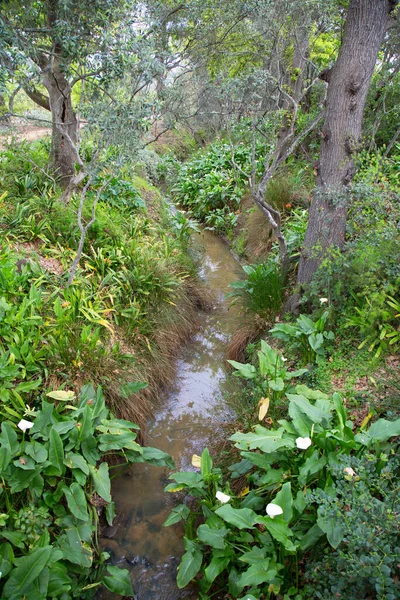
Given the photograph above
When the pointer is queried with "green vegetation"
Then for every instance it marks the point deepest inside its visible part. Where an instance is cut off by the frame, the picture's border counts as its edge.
(307, 478)
(131, 304)
(276, 126)
(53, 487)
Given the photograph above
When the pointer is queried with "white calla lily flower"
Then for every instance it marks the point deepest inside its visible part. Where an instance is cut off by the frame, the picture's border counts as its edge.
(224, 498)
(273, 510)
(303, 443)
(25, 425)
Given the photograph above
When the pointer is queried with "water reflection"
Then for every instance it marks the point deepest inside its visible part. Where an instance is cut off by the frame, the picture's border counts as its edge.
(191, 415)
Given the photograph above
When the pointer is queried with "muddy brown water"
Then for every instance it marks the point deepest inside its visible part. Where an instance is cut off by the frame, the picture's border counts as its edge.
(190, 417)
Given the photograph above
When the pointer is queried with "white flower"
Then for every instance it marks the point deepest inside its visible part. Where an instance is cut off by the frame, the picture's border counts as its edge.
(25, 425)
(349, 471)
(283, 358)
(323, 300)
(303, 443)
(224, 498)
(273, 510)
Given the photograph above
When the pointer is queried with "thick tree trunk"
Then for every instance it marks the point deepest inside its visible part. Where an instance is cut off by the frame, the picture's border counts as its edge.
(64, 150)
(349, 81)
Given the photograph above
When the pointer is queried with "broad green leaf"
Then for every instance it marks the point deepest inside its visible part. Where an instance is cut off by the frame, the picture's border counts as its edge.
(76, 461)
(380, 431)
(76, 501)
(253, 556)
(284, 500)
(89, 450)
(8, 438)
(20, 480)
(257, 574)
(101, 481)
(264, 439)
(242, 518)
(36, 451)
(276, 384)
(157, 458)
(110, 441)
(110, 513)
(310, 538)
(333, 528)
(315, 414)
(189, 478)
(205, 463)
(216, 566)
(15, 537)
(212, 537)
(59, 581)
(56, 453)
(28, 569)
(64, 426)
(74, 550)
(279, 531)
(5, 458)
(118, 581)
(189, 566)
(244, 370)
(177, 514)
(311, 466)
(300, 421)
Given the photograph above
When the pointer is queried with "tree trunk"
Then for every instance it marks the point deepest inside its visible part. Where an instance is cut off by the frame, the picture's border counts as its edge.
(349, 81)
(64, 152)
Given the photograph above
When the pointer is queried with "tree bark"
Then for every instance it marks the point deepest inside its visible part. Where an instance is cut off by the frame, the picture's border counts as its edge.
(349, 81)
(64, 152)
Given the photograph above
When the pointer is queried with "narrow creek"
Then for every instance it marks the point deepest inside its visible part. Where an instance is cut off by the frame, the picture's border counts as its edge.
(189, 418)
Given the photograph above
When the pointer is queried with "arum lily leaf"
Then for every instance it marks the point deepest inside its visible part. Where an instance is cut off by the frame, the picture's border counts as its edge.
(242, 518)
(257, 574)
(216, 566)
(212, 537)
(189, 566)
(22, 577)
(101, 481)
(118, 581)
(76, 501)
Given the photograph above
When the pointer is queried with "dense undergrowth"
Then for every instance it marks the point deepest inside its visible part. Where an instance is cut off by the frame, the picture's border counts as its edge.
(132, 303)
(304, 504)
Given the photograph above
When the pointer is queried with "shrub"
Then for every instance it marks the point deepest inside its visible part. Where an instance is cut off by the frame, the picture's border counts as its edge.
(251, 543)
(271, 378)
(53, 486)
(366, 563)
(306, 336)
(261, 293)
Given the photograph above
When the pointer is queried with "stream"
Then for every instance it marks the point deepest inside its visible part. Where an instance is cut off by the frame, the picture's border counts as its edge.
(192, 413)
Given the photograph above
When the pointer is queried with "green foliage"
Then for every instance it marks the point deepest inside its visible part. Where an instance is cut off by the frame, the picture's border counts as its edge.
(52, 483)
(261, 293)
(306, 336)
(272, 379)
(210, 187)
(362, 280)
(299, 487)
(367, 562)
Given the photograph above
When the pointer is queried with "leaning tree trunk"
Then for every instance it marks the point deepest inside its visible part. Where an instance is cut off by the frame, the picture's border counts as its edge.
(349, 81)
(64, 150)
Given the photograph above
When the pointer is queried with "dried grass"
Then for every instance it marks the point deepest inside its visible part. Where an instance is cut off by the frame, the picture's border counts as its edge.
(259, 235)
(249, 332)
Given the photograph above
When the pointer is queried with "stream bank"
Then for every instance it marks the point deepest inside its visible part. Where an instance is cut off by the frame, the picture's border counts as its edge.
(192, 413)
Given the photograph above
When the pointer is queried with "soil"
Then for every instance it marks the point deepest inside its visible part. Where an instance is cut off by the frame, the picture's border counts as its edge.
(22, 131)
